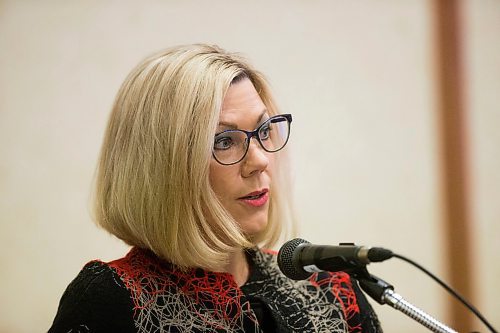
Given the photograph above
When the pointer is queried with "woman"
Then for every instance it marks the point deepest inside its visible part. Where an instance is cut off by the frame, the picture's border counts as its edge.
(192, 175)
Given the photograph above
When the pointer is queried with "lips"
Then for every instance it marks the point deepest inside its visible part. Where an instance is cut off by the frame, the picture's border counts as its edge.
(257, 198)
(255, 194)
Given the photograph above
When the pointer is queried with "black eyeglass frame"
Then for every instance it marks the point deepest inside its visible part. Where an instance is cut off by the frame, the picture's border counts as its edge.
(255, 133)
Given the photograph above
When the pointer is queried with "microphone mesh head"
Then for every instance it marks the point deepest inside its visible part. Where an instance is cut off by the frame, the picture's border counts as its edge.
(286, 260)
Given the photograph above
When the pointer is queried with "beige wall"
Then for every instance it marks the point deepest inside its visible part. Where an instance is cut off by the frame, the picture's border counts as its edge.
(357, 76)
(483, 101)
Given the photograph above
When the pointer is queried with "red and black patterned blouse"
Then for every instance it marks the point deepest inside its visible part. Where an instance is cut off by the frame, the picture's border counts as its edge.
(142, 293)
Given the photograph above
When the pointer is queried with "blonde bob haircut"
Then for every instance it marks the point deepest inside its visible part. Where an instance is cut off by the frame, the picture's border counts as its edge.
(152, 185)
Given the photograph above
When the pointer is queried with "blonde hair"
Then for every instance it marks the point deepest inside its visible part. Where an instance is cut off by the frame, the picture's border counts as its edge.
(152, 187)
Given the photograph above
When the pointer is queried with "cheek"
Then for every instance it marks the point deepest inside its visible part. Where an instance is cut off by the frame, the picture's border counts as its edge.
(222, 178)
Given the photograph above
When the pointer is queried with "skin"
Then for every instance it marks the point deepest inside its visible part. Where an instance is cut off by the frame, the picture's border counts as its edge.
(243, 109)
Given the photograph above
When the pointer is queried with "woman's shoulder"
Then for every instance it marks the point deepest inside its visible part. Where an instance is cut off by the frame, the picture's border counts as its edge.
(95, 281)
(95, 301)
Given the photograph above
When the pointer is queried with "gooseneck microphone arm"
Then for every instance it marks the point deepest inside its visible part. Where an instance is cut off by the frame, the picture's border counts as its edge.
(384, 293)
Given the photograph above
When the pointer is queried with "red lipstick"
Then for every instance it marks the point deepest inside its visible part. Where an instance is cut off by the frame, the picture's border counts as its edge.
(257, 198)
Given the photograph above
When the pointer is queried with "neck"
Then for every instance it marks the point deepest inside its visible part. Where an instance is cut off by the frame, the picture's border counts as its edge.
(238, 267)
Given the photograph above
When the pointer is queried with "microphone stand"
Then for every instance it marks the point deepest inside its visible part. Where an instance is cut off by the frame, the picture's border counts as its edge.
(384, 293)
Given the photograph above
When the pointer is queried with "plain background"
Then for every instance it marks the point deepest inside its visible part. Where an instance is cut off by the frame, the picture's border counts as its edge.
(358, 77)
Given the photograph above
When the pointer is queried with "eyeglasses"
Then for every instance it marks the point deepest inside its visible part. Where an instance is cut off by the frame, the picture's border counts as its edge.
(231, 146)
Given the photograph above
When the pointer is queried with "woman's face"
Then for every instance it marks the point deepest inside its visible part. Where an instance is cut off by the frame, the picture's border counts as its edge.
(244, 188)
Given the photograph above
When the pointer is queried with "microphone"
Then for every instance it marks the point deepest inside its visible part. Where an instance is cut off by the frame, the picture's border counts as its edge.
(298, 259)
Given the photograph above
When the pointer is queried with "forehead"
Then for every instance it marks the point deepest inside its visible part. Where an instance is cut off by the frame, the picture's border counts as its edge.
(241, 101)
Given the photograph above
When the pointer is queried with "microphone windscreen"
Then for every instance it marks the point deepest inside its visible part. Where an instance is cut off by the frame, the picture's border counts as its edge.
(286, 263)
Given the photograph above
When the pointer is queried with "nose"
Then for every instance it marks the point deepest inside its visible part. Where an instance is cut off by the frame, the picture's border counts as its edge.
(256, 161)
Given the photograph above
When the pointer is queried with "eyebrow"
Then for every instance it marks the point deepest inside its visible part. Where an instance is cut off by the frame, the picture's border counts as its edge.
(234, 126)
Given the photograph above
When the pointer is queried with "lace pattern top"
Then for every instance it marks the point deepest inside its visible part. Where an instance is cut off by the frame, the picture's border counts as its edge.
(142, 293)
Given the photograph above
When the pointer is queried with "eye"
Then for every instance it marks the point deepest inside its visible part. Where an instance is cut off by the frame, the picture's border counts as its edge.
(223, 142)
(265, 131)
